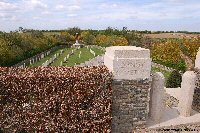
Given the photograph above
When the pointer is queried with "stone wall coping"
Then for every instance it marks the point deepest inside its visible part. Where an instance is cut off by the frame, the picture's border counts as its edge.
(125, 48)
(127, 52)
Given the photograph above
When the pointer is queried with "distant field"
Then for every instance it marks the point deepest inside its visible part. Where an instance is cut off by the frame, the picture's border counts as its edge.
(172, 35)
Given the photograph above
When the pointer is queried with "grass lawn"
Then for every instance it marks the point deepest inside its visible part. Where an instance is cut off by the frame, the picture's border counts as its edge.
(85, 55)
(165, 73)
(61, 57)
(97, 51)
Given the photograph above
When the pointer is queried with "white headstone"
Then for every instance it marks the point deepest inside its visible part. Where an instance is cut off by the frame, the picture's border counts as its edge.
(42, 56)
(128, 62)
(65, 59)
(61, 63)
(197, 61)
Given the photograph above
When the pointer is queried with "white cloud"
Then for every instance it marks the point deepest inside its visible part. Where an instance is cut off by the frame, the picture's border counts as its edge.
(36, 18)
(59, 7)
(106, 5)
(68, 7)
(7, 16)
(8, 6)
(72, 15)
(45, 13)
(73, 8)
(36, 4)
(100, 12)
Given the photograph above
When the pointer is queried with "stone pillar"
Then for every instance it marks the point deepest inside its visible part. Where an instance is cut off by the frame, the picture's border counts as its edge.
(197, 61)
(187, 92)
(131, 68)
(157, 97)
(196, 98)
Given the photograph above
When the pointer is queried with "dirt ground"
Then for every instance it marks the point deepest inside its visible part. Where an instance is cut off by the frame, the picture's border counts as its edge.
(172, 35)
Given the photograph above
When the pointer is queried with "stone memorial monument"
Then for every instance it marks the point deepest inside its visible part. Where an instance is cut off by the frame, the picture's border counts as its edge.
(131, 68)
(77, 44)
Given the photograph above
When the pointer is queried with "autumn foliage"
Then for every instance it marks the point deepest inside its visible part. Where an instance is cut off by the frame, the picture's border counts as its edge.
(169, 52)
(55, 99)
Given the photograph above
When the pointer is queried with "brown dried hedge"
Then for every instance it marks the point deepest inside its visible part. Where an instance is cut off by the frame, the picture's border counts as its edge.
(55, 99)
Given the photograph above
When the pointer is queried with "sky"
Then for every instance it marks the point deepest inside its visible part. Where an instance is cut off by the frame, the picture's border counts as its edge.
(154, 15)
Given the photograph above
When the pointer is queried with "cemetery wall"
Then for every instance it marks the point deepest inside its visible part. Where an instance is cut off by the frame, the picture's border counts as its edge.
(55, 99)
(130, 104)
(196, 97)
(38, 56)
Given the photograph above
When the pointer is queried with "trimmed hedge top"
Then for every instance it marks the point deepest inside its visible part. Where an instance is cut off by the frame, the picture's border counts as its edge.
(50, 99)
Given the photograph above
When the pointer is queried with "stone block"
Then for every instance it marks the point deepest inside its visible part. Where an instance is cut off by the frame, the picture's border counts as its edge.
(197, 61)
(128, 62)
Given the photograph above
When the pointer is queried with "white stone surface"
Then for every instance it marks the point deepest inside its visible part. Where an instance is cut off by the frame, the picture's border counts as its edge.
(128, 62)
(175, 92)
(157, 97)
(187, 92)
(197, 61)
(127, 52)
(171, 117)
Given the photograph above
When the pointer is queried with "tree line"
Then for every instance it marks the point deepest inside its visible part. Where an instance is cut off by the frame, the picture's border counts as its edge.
(24, 43)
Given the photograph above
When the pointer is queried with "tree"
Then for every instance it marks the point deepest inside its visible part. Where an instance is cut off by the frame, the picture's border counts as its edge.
(74, 30)
(174, 80)
(88, 38)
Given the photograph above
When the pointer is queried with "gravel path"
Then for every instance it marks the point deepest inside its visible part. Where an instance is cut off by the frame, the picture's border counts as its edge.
(186, 128)
(93, 62)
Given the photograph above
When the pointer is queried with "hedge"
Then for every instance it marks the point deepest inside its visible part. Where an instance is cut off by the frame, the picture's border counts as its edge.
(55, 99)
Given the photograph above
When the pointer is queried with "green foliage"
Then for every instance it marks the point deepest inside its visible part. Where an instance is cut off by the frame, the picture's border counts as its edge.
(74, 30)
(15, 47)
(174, 80)
(88, 38)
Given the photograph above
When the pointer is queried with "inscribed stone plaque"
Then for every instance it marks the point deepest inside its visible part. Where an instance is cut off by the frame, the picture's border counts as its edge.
(128, 62)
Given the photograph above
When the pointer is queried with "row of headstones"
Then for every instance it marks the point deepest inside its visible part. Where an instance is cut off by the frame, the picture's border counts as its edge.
(162, 67)
(95, 46)
(34, 60)
(68, 55)
(52, 59)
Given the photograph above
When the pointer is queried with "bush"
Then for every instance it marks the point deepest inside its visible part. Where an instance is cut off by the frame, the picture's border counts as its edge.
(55, 99)
(174, 80)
